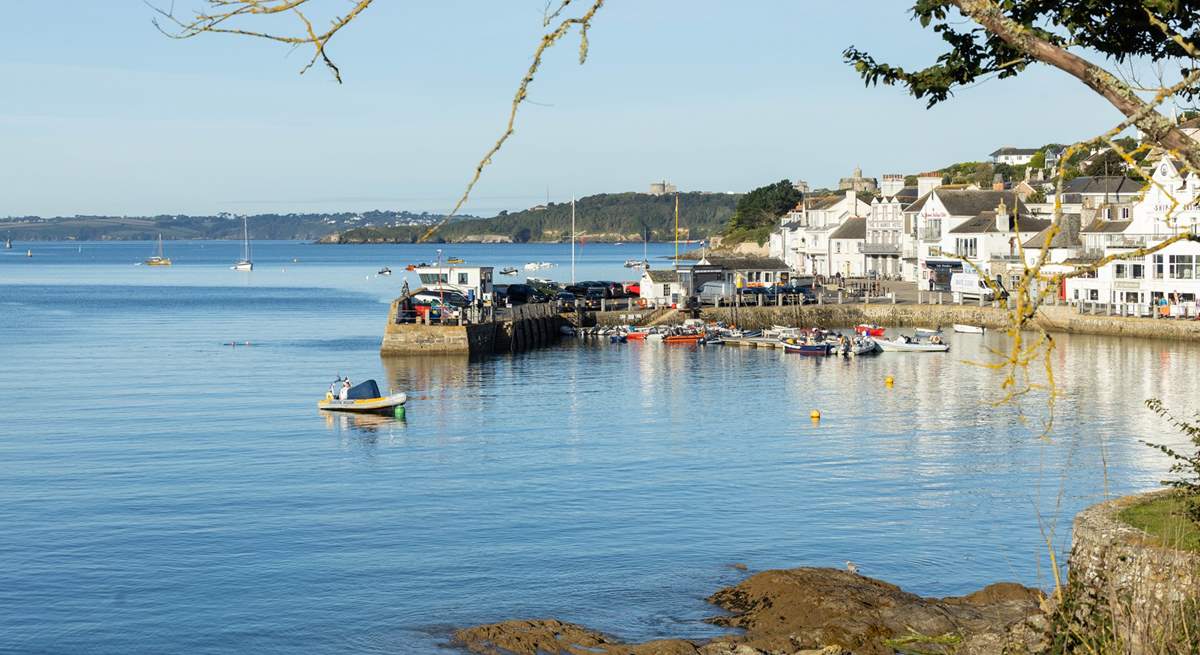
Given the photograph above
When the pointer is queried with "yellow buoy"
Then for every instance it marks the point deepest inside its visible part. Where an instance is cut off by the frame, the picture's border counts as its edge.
(889, 381)
(815, 415)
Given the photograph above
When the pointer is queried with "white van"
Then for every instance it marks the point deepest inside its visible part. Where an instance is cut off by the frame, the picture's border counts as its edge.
(970, 285)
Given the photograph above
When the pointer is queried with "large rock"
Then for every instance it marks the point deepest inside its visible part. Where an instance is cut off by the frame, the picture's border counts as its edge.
(805, 611)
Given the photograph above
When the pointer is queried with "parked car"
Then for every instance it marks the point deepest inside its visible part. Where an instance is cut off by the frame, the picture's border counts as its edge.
(633, 288)
(594, 296)
(429, 296)
(580, 288)
(520, 294)
(615, 289)
(565, 300)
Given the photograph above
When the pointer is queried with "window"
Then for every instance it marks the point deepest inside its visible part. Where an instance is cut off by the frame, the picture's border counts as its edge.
(966, 248)
(1158, 267)
(666, 290)
(462, 278)
(1124, 213)
(1120, 271)
(1180, 267)
(1137, 271)
(837, 247)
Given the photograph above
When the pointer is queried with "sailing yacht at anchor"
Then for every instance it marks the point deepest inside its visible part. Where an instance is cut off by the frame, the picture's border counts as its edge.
(244, 264)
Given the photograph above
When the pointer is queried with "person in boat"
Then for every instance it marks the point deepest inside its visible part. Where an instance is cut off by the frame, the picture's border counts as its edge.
(345, 391)
(906, 338)
(935, 339)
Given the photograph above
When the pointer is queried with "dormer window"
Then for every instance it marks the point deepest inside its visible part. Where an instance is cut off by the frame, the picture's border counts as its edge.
(1124, 213)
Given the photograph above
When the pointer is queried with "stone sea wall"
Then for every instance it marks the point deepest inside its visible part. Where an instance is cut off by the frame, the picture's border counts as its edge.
(1052, 318)
(1122, 583)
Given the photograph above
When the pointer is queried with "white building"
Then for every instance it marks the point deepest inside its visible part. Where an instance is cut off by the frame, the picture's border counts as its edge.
(1168, 207)
(993, 242)
(802, 241)
(661, 288)
(846, 248)
(942, 210)
(886, 245)
(471, 281)
(1013, 156)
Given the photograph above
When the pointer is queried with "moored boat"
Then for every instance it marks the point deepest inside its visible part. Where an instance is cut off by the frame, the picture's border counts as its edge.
(158, 259)
(683, 338)
(863, 346)
(928, 332)
(362, 398)
(906, 344)
(508, 270)
(869, 329)
(968, 329)
(810, 349)
(455, 260)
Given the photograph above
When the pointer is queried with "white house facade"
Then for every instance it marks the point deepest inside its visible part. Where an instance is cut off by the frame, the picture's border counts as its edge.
(1168, 280)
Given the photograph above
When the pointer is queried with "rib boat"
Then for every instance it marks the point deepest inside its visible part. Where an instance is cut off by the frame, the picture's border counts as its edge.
(363, 398)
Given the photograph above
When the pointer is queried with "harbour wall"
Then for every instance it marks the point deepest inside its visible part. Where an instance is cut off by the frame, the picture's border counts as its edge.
(1124, 584)
(1059, 318)
(527, 327)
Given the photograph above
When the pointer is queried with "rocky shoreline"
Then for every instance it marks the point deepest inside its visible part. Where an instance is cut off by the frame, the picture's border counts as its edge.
(807, 611)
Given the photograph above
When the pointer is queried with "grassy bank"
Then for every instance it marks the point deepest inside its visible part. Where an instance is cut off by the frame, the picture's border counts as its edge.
(1165, 518)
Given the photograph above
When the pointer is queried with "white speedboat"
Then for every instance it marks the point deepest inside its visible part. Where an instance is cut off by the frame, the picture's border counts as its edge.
(968, 329)
(509, 270)
(907, 345)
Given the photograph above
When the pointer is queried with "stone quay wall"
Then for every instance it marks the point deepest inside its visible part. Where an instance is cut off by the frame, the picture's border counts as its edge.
(1124, 584)
(526, 329)
(1058, 318)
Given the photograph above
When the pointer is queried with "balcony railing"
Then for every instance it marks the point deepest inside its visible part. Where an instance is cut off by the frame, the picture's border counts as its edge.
(879, 248)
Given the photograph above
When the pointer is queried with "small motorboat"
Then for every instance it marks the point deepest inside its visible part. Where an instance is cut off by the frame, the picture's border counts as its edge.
(683, 338)
(909, 345)
(363, 398)
(637, 335)
(869, 329)
(616, 338)
(384, 271)
(634, 263)
(455, 260)
(509, 270)
(968, 329)
(809, 349)
(863, 346)
(928, 332)
(567, 331)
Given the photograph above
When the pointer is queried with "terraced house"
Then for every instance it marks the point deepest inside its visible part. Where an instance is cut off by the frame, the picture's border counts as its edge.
(1165, 282)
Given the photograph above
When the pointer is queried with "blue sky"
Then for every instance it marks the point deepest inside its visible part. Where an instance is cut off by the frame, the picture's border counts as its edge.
(102, 114)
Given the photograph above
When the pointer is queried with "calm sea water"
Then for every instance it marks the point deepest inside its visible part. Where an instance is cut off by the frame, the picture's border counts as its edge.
(163, 492)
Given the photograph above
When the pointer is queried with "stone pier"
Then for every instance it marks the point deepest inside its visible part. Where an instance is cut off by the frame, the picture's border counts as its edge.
(517, 329)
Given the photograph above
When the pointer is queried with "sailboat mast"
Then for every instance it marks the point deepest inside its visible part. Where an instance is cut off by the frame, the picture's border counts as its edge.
(677, 229)
(572, 239)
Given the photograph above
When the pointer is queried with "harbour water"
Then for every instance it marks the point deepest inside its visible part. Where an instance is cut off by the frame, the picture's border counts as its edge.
(162, 491)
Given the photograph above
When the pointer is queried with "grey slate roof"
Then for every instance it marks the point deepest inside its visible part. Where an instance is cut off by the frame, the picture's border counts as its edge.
(823, 202)
(1009, 150)
(748, 263)
(662, 277)
(1100, 184)
(964, 202)
(1107, 227)
(854, 228)
(1067, 236)
(986, 222)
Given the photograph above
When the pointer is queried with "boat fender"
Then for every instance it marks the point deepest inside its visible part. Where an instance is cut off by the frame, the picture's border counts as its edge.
(399, 412)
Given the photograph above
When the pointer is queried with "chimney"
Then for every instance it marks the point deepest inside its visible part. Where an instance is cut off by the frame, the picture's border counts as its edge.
(851, 196)
(1002, 217)
(927, 182)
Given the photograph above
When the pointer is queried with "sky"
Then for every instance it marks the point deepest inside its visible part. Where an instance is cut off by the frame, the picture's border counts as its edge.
(100, 113)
